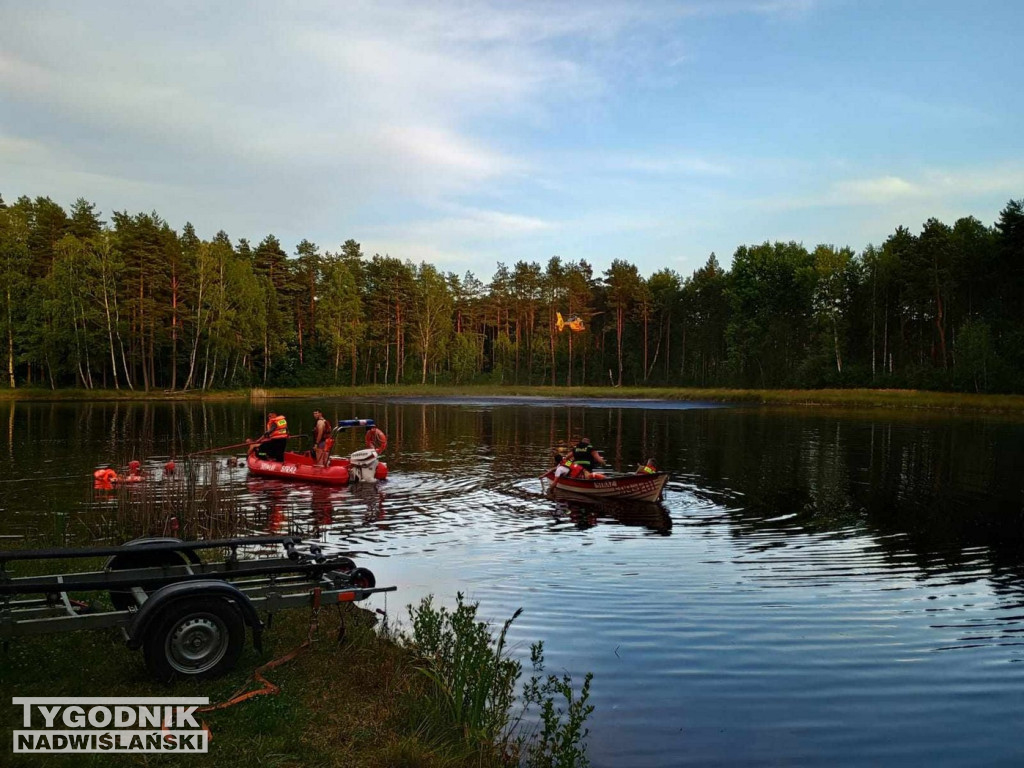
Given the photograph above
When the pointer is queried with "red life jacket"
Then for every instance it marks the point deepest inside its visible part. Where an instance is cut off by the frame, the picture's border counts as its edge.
(277, 427)
(105, 478)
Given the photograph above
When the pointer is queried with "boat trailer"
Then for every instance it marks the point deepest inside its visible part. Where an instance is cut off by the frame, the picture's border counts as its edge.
(187, 616)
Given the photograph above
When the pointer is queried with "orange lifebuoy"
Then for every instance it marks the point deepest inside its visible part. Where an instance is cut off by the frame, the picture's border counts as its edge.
(376, 439)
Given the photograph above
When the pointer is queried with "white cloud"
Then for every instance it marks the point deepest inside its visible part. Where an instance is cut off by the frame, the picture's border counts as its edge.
(933, 186)
(441, 151)
(670, 164)
(874, 191)
(14, 149)
(783, 7)
(470, 224)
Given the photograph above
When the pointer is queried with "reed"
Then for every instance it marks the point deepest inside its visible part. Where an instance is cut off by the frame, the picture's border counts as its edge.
(192, 504)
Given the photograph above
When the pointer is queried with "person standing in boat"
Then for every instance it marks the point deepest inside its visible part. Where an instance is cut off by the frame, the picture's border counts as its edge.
(321, 434)
(273, 441)
(586, 457)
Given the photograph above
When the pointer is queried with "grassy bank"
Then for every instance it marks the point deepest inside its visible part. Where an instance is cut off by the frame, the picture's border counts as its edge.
(362, 700)
(340, 703)
(852, 398)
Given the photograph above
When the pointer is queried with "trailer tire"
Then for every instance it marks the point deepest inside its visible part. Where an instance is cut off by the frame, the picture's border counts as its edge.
(362, 578)
(344, 564)
(123, 599)
(195, 638)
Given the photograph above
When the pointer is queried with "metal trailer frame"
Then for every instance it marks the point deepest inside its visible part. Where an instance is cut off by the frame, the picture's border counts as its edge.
(187, 615)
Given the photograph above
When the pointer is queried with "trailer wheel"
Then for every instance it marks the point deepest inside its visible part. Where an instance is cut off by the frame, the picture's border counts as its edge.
(344, 564)
(196, 638)
(123, 599)
(362, 578)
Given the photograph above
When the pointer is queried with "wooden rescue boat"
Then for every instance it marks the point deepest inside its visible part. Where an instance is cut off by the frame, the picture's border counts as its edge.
(645, 487)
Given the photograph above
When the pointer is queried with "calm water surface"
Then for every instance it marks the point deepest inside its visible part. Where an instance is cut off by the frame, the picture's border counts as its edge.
(816, 589)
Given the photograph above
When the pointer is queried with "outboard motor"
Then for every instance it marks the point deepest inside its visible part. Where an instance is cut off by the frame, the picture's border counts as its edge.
(362, 466)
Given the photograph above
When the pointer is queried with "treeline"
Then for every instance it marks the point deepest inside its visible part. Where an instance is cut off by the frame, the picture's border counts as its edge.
(131, 303)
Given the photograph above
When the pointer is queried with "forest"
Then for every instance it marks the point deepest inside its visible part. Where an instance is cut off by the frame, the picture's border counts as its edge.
(130, 303)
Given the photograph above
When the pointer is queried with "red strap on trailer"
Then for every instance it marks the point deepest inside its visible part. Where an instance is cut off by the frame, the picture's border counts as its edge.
(267, 687)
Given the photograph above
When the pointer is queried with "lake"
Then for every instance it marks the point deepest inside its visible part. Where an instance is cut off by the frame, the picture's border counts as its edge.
(818, 587)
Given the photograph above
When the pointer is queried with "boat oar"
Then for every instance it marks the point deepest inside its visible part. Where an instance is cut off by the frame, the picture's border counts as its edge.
(236, 445)
(214, 450)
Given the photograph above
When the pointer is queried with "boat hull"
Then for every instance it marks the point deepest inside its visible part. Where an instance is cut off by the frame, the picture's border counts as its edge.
(300, 467)
(618, 487)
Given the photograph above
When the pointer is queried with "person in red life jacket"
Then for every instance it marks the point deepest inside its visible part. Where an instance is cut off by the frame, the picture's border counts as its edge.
(650, 468)
(169, 467)
(134, 472)
(274, 439)
(321, 437)
(104, 478)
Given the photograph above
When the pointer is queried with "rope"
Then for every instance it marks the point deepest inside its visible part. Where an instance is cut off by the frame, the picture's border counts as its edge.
(269, 688)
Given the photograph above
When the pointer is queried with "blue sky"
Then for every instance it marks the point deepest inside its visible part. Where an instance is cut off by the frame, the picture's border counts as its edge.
(471, 133)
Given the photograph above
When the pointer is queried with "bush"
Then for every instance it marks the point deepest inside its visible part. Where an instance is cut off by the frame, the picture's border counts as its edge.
(473, 687)
(473, 677)
(561, 741)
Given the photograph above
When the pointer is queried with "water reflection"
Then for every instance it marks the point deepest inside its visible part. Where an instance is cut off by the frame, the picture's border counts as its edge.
(586, 514)
(803, 587)
(938, 490)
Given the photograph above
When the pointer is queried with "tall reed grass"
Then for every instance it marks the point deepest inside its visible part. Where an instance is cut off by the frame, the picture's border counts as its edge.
(191, 504)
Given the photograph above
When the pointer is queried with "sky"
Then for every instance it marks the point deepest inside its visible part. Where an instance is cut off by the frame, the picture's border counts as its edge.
(471, 133)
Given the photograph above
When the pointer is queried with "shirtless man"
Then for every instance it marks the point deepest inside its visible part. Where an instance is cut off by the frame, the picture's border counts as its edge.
(321, 431)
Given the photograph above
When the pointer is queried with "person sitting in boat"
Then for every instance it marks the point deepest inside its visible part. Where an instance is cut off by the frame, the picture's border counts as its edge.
(564, 467)
(321, 436)
(650, 468)
(585, 456)
(273, 441)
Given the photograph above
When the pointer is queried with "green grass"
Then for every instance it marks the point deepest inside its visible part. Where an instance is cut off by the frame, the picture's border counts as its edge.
(856, 398)
(353, 703)
(357, 698)
(101, 395)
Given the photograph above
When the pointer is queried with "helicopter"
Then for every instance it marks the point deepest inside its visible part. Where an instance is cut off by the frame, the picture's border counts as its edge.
(574, 323)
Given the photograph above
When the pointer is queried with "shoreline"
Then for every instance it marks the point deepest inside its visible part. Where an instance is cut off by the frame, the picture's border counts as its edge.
(843, 398)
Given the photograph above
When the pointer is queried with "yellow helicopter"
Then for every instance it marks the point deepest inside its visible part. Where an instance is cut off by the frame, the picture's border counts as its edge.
(574, 323)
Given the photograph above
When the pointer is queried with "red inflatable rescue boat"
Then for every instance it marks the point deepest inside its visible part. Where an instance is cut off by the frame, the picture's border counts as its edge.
(300, 466)
(362, 466)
